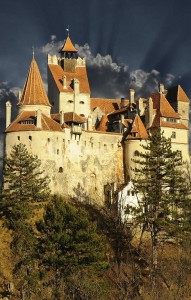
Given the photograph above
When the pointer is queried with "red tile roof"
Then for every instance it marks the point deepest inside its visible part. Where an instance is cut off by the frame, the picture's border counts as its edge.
(80, 73)
(34, 92)
(161, 104)
(158, 122)
(71, 117)
(176, 93)
(47, 123)
(138, 128)
(121, 110)
(106, 105)
(102, 126)
(68, 46)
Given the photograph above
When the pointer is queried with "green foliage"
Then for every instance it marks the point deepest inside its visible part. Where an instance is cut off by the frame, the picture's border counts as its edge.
(68, 239)
(161, 183)
(164, 193)
(24, 184)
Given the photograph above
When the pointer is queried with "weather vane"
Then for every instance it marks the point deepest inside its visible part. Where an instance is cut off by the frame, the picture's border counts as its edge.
(68, 30)
(33, 52)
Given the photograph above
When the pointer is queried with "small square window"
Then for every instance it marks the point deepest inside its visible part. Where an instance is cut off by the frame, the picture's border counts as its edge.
(173, 135)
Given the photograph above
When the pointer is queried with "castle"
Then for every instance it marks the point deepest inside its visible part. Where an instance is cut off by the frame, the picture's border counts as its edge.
(85, 144)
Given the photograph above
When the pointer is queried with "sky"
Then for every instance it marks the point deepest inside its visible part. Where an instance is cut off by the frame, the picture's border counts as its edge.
(127, 43)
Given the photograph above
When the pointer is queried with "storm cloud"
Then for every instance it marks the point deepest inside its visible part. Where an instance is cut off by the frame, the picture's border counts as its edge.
(110, 79)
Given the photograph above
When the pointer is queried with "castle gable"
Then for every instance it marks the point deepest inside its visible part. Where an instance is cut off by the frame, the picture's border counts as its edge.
(176, 93)
(138, 130)
(80, 73)
(162, 106)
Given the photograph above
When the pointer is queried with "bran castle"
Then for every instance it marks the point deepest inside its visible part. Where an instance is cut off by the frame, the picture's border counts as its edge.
(85, 144)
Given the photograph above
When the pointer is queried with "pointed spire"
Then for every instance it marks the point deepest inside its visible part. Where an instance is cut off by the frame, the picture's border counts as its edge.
(68, 46)
(34, 92)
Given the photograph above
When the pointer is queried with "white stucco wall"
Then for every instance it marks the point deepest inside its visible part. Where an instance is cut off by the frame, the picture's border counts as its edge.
(88, 162)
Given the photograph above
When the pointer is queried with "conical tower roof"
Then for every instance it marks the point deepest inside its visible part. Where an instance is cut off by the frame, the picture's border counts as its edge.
(34, 92)
(68, 46)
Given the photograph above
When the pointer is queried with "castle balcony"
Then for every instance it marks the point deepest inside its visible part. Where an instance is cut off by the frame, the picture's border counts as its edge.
(76, 129)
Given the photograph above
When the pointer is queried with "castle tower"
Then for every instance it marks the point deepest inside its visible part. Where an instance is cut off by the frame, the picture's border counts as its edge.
(34, 96)
(68, 86)
(68, 56)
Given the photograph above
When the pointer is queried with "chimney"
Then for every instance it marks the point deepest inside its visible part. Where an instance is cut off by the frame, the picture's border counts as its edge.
(8, 113)
(149, 112)
(38, 119)
(140, 107)
(90, 126)
(132, 96)
(161, 88)
(64, 82)
(122, 103)
(61, 117)
(76, 86)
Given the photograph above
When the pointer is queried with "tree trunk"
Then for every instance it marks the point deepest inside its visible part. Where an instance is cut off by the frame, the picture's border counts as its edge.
(154, 245)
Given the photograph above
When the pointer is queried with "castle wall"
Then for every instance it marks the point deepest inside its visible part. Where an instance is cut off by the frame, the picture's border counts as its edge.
(130, 148)
(44, 108)
(78, 166)
(180, 142)
(183, 110)
(80, 103)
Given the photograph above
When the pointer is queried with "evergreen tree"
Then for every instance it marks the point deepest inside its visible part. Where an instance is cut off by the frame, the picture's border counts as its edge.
(164, 193)
(23, 186)
(68, 241)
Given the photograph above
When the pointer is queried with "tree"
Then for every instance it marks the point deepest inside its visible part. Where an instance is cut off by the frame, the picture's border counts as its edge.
(24, 187)
(164, 193)
(68, 242)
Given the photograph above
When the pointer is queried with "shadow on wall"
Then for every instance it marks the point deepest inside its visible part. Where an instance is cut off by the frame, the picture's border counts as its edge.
(5, 94)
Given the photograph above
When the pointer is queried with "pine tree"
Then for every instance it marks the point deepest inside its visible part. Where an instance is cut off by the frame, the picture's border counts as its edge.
(163, 192)
(24, 185)
(68, 241)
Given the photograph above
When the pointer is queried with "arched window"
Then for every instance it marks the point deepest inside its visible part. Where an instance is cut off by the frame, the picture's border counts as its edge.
(136, 153)
(60, 170)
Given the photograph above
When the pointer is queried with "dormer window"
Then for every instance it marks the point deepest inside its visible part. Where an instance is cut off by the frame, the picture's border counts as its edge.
(28, 122)
(170, 120)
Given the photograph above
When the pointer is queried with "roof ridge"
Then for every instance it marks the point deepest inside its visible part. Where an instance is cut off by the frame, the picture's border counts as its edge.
(45, 121)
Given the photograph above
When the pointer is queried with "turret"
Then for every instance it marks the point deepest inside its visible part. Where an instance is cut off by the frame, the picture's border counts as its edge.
(34, 96)
(69, 56)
